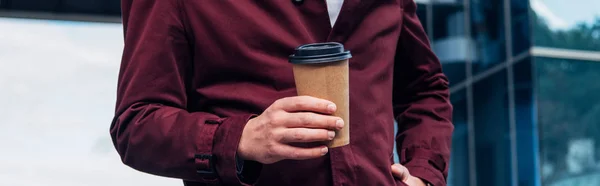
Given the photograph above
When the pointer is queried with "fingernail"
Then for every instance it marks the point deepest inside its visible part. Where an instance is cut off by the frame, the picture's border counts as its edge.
(331, 135)
(324, 150)
(331, 107)
(339, 123)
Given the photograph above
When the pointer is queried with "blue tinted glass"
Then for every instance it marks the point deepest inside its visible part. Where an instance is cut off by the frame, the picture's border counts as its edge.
(487, 31)
(422, 14)
(448, 19)
(569, 121)
(573, 24)
(396, 158)
(449, 40)
(521, 37)
(459, 159)
(492, 139)
(526, 131)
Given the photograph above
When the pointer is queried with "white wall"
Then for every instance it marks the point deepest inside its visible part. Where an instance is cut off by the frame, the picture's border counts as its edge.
(57, 94)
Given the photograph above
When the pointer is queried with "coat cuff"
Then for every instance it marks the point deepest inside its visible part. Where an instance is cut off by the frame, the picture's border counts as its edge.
(426, 173)
(425, 164)
(227, 139)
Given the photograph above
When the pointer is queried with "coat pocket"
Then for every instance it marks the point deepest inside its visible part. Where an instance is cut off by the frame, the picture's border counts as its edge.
(400, 183)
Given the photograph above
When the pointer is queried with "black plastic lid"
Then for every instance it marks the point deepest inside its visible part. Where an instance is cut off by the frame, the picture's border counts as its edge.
(319, 53)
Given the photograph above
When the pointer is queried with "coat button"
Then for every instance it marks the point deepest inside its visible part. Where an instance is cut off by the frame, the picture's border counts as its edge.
(297, 2)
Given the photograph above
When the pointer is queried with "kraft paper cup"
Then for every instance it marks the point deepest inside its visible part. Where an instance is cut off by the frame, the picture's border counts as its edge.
(321, 70)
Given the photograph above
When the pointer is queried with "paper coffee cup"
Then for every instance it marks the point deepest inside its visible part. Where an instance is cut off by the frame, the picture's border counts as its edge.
(321, 71)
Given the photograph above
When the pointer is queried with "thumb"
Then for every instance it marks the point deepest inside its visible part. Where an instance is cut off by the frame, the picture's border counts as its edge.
(400, 172)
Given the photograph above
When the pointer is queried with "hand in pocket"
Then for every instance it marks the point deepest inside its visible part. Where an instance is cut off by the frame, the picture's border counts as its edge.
(402, 174)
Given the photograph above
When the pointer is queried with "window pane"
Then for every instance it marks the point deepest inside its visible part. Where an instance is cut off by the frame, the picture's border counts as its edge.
(448, 19)
(422, 14)
(574, 24)
(459, 159)
(487, 31)
(492, 142)
(449, 40)
(527, 141)
(521, 39)
(569, 121)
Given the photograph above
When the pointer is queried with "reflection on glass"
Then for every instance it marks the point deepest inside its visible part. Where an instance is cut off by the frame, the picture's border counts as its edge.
(492, 141)
(487, 25)
(455, 72)
(569, 121)
(448, 20)
(449, 40)
(422, 14)
(572, 25)
(396, 158)
(521, 37)
(527, 140)
(459, 158)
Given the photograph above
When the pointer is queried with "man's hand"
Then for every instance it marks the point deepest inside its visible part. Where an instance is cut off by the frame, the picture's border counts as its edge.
(267, 138)
(401, 172)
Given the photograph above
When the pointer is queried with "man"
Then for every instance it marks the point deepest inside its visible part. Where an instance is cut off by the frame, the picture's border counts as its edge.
(206, 94)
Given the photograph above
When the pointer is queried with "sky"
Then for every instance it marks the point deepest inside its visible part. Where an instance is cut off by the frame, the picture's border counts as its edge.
(564, 14)
(58, 82)
(560, 14)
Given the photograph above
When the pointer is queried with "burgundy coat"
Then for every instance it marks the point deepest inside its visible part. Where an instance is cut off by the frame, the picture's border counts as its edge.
(194, 71)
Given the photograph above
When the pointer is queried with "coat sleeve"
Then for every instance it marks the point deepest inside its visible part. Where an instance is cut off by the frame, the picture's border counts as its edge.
(153, 129)
(421, 103)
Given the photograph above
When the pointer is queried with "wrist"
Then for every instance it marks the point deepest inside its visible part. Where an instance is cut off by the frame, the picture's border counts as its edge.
(243, 150)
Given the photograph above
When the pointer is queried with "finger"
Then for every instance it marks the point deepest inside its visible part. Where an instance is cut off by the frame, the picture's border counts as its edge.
(400, 172)
(314, 120)
(306, 103)
(298, 153)
(306, 135)
(414, 181)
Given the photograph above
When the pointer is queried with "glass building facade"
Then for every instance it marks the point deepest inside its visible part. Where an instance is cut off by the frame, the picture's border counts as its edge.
(525, 77)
